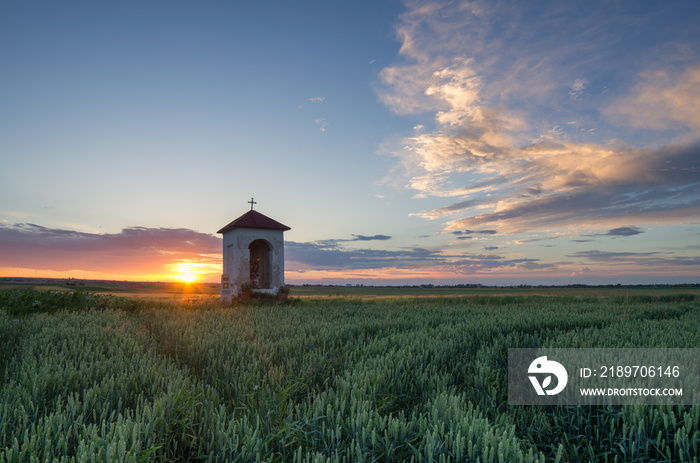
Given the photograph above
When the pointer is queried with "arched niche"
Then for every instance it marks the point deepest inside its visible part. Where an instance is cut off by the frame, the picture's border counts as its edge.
(260, 264)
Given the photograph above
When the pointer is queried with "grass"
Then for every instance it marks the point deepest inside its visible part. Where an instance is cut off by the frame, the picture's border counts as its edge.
(336, 378)
(175, 291)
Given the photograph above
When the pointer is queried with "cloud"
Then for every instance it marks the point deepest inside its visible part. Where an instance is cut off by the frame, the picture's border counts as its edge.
(371, 238)
(662, 99)
(480, 232)
(639, 259)
(471, 232)
(134, 250)
(597, 186)
(607, 256)
(624, 231)
(317, 99)
(322, 124)
(562, 184)
(328, 255)
(577, 88)
(502, 96)
(337, 242)
(615, 232)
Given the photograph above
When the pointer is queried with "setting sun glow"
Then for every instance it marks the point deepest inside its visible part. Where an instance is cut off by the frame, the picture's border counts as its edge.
(187, 272)
(188, 277)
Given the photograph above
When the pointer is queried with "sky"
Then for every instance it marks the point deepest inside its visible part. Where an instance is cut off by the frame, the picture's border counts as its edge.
(404, 142)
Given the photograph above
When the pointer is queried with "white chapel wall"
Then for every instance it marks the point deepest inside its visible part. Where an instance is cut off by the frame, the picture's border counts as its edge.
(237, 258)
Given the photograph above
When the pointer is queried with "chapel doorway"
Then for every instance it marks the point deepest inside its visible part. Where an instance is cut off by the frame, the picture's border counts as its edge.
(260, 267)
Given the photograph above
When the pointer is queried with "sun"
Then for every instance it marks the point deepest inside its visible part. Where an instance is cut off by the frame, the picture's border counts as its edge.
(187, 277)
(187, 272)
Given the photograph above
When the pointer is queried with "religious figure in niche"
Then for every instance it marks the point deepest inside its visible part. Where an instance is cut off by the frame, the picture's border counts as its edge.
(255, 273)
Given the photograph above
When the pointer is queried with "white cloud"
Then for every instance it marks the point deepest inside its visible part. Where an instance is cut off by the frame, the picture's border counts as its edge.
(458, 86)
(322, 124)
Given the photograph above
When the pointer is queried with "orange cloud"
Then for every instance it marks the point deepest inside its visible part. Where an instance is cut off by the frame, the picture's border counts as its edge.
(136, 252)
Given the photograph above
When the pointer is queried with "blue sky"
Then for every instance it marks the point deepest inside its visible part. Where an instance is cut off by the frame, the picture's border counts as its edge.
(403, 142)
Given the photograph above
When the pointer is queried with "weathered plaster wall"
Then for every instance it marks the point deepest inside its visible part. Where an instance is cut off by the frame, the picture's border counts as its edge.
(237, 262)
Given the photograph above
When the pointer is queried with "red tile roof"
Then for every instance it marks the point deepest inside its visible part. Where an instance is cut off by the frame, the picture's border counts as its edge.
(254, 219)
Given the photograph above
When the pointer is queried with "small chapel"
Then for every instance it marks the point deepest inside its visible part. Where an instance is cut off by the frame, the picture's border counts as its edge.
(253, 255)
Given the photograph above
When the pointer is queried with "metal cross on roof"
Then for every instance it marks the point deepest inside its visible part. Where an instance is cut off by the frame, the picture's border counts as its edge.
(252, 202)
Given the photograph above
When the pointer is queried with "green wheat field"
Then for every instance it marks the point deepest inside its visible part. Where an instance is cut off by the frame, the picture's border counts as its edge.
(342, 376)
